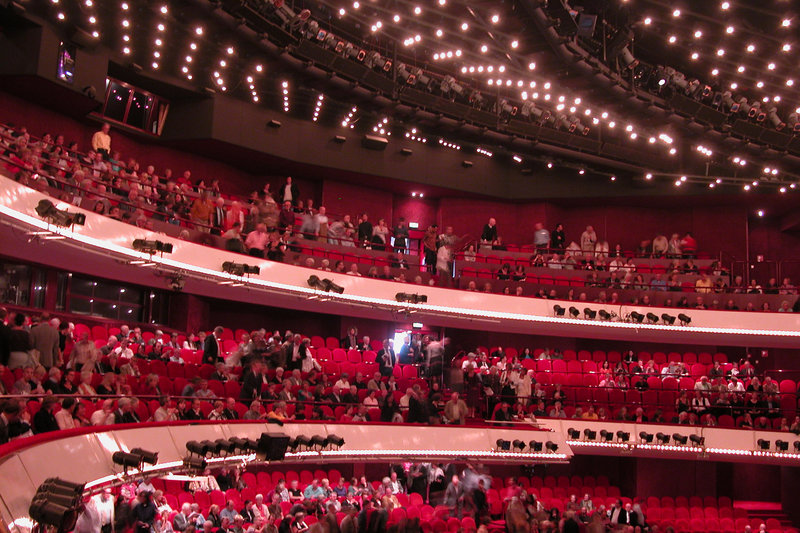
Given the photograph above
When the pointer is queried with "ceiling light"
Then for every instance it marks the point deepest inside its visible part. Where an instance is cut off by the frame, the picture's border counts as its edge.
(439, 33)
(164, 10)
(751, 48)
(672, 39)
(417, 10)
(198, 30)
(695, 55)
(676, 13)
(342, 12)
(760, 84)
(721, 52)
(789, 82)
(740, 69)
(771, 66)
(648, 176)
(786, 47)
(698, 34)
(464, 26)
(484, 49)
(729, 30)
(715, 72)
(495, 19)
(396, 18)
(648, 21)
(514, 44)
(725, 5)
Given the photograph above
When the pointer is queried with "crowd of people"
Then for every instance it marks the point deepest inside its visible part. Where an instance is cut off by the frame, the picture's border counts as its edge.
(270, 224)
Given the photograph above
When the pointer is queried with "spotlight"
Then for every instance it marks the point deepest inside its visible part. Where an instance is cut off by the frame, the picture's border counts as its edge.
(325, 285)
(763, 444)
(697, 440)
(150, 458)
(781, 445)
(411, 298)
(589, 314)
(503, 445)
(239, 269)
(518, 445)
(662, 438)
(796, 446)
(197, 464)
(243, 445)
(152, 247)
(507, 108)
(604, 315)
(126, 460)
(646, 437)
(335, 440)
(573, 433)
(479, 101)
(298, 441)
(637, 317)
(551, 446)
(677, 438)
(202, 448)
(573, 311)
(728, 102)
(48, 211)
(685, 320)
(793, 122)
(623, 436)
(668, 319)
(652, 318)
(590, 434)
(558, 310)
(223, 445)
(57, 503)
(449, 84)
(607, 436)
(775, 120)
(535, 445)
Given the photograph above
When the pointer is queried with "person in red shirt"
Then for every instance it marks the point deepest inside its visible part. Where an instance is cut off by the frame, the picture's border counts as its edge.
(688, 245)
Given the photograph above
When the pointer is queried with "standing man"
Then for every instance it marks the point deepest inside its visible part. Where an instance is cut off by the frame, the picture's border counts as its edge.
(429, 245)
(386, 358)
(290, 192)
(212, 353)
(401, 236)
(101, 141)
(46, 340)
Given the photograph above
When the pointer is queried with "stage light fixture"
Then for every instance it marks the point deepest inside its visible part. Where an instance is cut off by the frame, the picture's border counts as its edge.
(503, 445)
(196, 464)
(152, 247)
(558, 310)
(535, 446)
(243, 445)
(623, 436)
(573, 311)
(607, 436)
(590, 434)
(662, 438)
(298, 441)
(697, 440)
(685, 320)
(518, 445)
(677, 438)
(411, 298)
(589, 314)
(58, 217)
(57, 503)
(126, 460)
(604, 315)
(325, 285)
(335, 440)
(763, 444)
(637, 317)
(150, 458)
(239, 269)
(646, 437)
(201, 448)
(781, 445)
(573, 433)
(668, 319)
(551, 446)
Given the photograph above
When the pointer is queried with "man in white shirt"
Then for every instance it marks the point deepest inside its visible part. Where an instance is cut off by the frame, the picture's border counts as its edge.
(145, 486)
(101, 141)
(735, 385)
(104, 503)
(122, 350)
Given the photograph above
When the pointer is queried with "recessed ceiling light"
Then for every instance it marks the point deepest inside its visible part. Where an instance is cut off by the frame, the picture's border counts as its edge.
(751, 48)
(464, 26)
(676, 13)
(495, 19)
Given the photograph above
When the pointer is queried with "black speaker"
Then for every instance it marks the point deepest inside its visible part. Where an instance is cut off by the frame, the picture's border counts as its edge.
(374, 142)
(272, 446)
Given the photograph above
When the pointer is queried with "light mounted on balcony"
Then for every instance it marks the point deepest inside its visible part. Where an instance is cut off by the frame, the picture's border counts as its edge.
(58, 217)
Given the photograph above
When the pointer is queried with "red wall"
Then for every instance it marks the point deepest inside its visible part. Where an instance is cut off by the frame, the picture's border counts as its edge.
(344, 198)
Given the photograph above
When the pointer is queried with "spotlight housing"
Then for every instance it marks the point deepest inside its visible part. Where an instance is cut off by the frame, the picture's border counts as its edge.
(573, 312)
(662, 438)
(411, 298)
(150, 458)
(623, 436)
(697, 440)
(48, 211)
(668, 319)
(652, 318)
(590, 434)
(637, 317)
(558, 310)
(503, 445)
(551, 446)
(607, 436)
(535, 445)
(685, 319)
(239, 269)
(763, 444)
(589, 314)
(677, 438)
(646, 437)
(573, 433)
(126, 460)
(518, 445)
(152, 247)
(781, 445)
